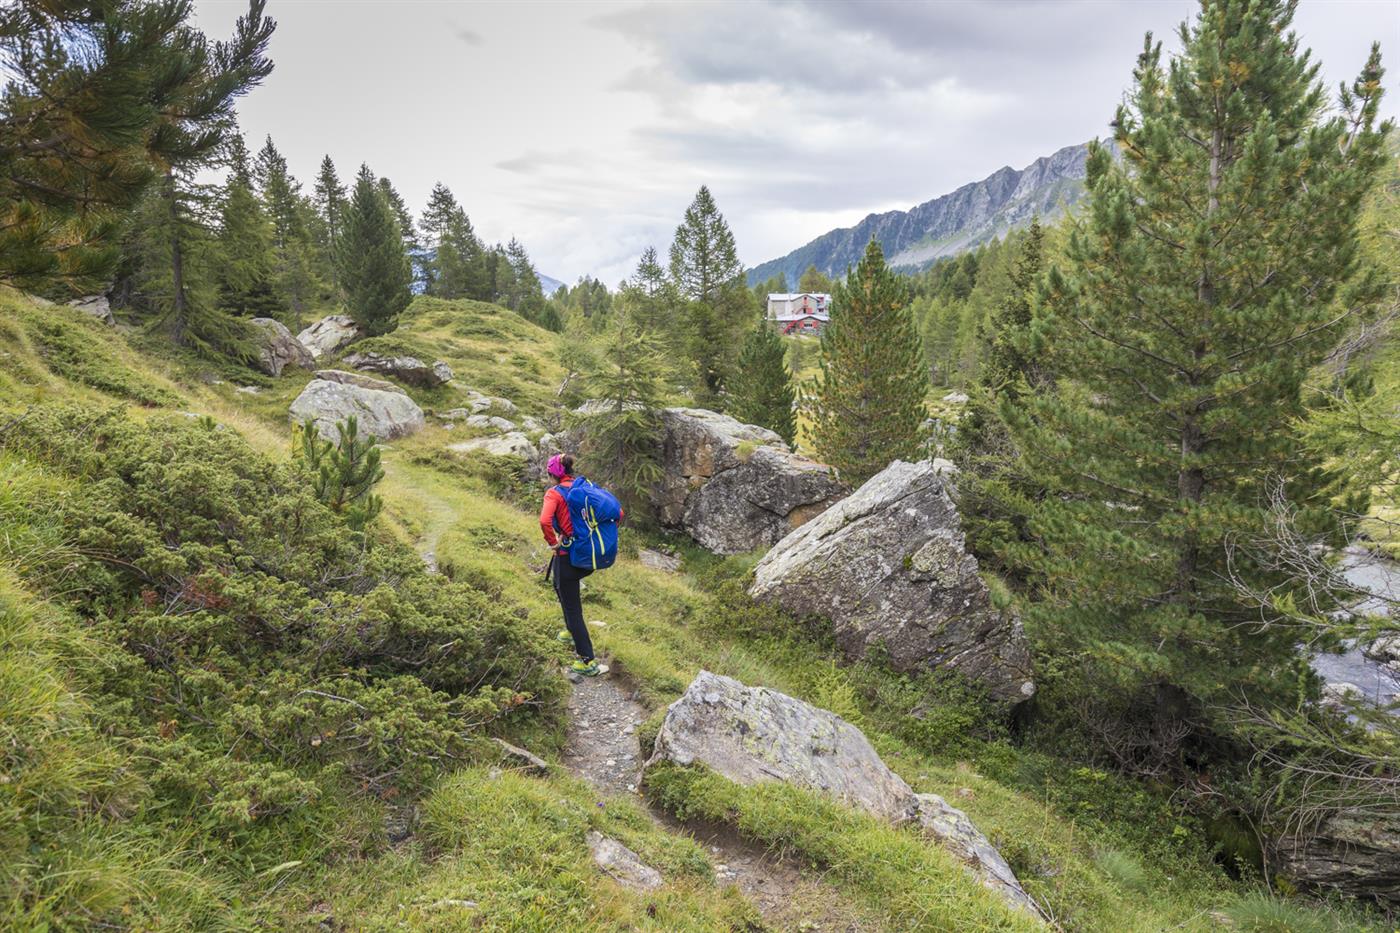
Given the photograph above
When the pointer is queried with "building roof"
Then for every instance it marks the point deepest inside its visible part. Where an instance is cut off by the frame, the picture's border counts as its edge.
(789, 296)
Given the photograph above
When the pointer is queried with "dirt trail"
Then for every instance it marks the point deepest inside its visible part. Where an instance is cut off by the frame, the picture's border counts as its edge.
(603, 749)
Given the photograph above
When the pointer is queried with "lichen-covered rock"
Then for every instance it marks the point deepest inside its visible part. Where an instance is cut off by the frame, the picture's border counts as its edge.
(357, 379)
(277, 348)
(513, 444)
(1355, 852)
(493, 422)
(888, 567)
(734, 487)
(383, 413)
(668, 563)
(410, 369)
(615, 859)
(483, 403)
(329, 335)
(752, 734)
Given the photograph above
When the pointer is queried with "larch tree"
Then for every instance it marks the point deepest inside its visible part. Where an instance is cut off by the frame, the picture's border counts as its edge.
(868, 404)
(1216, 265)
(245, 268)
(374, 269)
(329, 198)
(293, 242)
(762, 390)
(707, 274)
(815, 281)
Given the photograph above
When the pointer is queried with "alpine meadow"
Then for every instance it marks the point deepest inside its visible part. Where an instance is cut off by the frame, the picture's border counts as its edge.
(1026, 559)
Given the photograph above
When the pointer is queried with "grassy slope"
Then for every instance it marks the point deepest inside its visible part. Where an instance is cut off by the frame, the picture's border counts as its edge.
(1102, 855)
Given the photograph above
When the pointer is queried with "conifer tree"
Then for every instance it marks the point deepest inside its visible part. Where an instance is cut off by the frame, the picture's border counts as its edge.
(868, 403)
(344, 472)
(98, 100)
(374, 270)
(244, 273)
(329, 198)
(706, 272)
(1214, 268)
(293, 244)
(412, 246)
(762, 391)
(814, 281)
(621, 446)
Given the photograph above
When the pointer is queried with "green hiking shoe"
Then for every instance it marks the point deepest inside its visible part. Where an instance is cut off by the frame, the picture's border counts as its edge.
(564, 638)
(586, 668)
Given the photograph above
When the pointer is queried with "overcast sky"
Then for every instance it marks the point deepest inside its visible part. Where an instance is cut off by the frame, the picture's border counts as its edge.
(585, 128)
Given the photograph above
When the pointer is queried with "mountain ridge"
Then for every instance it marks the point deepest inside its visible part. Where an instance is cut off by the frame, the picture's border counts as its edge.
(947, 225)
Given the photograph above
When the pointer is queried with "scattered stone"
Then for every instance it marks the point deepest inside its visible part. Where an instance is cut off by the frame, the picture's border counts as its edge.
(1340, 694)
(379, 412)
(248, 390)
(622, 863)
(659, 561)
(531, 424)
(956, 398)
(529, 761)
(513, 444)
(329, 335)
(494, 422)
(483, 403)
(409, 369)
(453, 902)
(888, 567)
(753, 734)
(278, 349)
(96, 306)
(1385, 649)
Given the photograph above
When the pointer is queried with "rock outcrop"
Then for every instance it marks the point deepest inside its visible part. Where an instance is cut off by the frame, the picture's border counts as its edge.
(1357, 853)
(620, 862)
(513, 444)
(887, 567)
(277, 348)
(381, 408)
(410, 369)
(734, 487)
(329, 335)
(753, 734)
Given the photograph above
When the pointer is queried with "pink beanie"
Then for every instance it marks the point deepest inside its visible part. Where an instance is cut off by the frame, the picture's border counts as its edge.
(556, 466)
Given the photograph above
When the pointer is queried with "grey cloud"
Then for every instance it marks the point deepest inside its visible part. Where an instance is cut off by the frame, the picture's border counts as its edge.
(469, 36)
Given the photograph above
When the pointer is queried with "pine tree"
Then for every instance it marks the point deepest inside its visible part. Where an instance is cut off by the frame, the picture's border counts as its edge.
(244, 274)
(329, 198)
(706, 272)
(814, 281)
(345, 472)
(98, 100)
(1213, 269)
(293, 243)
(868, 403)
(762, 386)
(408, 230)
(621, 446)
(374, 270)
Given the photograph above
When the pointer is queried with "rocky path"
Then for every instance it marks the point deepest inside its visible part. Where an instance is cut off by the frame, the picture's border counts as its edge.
(603, 749)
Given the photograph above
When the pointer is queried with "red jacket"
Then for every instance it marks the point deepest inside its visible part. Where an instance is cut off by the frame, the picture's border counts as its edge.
(555, 514)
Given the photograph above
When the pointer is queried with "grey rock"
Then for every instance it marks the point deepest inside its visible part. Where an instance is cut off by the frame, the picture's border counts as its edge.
(622, 863)
(734, 487)
(1356, 852)
(483, 403)
(96, 306)
(493, 422)
(329, 335)
(357, 379)
(752, 735)
(513, 444)
(409, 369)
(379, 412)
(888, 567)
(277, 348)
(1386, 649)
(956, 398)
(527, 760)
(659, 561)
(530, 424)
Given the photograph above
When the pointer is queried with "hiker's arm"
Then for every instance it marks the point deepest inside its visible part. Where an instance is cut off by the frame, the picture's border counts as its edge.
(547, 518)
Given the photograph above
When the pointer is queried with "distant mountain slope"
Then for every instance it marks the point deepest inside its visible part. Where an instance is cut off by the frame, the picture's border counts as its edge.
(946, 226)
(548, 284)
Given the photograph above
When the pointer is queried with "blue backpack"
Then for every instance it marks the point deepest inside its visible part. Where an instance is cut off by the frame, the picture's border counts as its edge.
(594, 513)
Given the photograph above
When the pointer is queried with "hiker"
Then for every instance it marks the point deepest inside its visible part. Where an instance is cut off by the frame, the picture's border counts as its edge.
(558, 530)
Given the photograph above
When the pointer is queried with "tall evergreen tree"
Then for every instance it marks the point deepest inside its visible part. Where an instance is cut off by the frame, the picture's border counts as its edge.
(762, 391)
(868, 403)
(706, 272)
(245, 270)
(98, 99)
(329, 198)
(814, 281)
(293, 242)
(412, 245)
(374, 270)
(1214, 268)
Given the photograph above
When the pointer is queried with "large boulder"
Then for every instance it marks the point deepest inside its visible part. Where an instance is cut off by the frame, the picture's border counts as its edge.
(752, 734)
(887, 568)
(410, 369)
(734, 487)
(333, 396)
(96, 306)
(329, 335)
(1356, 852)
(277, 348)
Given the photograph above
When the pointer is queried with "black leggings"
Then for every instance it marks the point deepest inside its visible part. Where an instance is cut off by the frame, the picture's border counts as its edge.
(566, 579)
